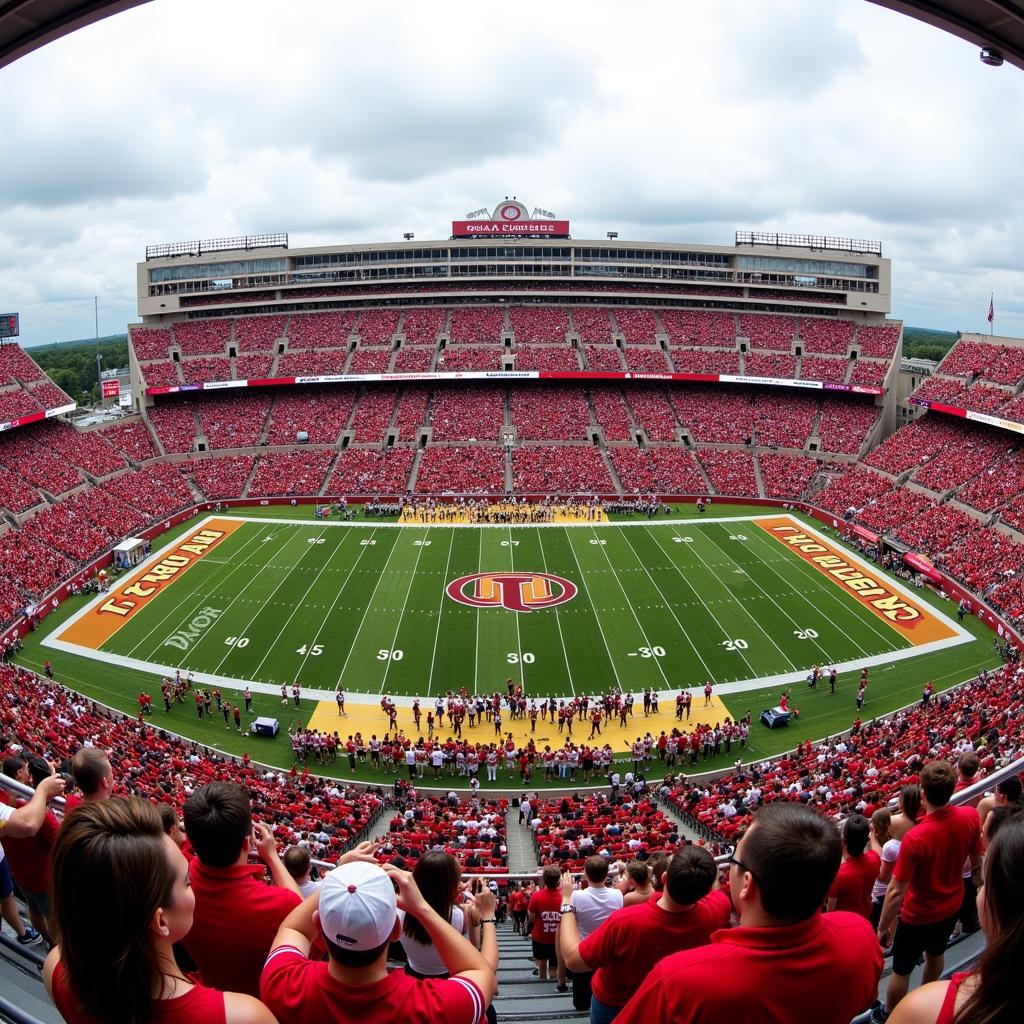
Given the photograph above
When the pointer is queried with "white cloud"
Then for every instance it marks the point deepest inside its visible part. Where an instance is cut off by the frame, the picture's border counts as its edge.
(662, 120)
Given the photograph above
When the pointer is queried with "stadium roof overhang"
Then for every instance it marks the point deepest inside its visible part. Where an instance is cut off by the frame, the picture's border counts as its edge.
(994, 24)
(26, 25)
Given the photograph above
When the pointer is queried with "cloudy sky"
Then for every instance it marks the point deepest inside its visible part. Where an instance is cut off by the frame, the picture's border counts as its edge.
(680, 120)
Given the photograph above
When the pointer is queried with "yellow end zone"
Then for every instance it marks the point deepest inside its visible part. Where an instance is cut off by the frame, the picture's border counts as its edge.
(370, 720)
(503, 513)
(135, 591)
(910, 618)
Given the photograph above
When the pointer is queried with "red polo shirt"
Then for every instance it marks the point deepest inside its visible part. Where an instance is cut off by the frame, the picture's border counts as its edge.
(545, 905)
(29, 857)
(852, 888)
(302, 991)
(237, 916)
(931, 860)
(825, 969)
(630, 942)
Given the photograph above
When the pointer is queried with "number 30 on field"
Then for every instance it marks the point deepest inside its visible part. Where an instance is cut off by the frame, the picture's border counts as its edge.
(527, 658)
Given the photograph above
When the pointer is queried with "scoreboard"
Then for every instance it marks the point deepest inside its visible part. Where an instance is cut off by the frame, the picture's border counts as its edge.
(9, 326)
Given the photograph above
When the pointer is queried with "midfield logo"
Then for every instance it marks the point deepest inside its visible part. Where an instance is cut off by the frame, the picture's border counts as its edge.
(515, 591)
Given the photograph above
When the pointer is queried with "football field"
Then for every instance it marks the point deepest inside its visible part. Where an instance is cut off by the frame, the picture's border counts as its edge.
(563, 610)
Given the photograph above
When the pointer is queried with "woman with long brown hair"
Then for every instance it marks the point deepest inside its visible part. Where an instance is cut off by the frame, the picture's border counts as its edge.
(121, 899)
(991, 993)
(910, 811)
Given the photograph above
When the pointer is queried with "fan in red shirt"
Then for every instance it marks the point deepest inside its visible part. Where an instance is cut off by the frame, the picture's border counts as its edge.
(786, 960)
(355, 912)
(114, 864)
(237, 915)
(542, 919)
(28, 856)
(927, 890)
(859, 870)
(628, 944)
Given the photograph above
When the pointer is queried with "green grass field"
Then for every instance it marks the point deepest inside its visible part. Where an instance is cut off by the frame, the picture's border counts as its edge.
(365, 607)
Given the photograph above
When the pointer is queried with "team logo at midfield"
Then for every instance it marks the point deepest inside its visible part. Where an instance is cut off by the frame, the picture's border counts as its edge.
(516, 591)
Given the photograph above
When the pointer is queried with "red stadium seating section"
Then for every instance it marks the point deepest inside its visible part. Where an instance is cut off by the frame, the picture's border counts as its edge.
(371, 471)
(156, 766)
(545, 324)
(826, 336)
(467, 413)
(299, 472)
(322, 414)
(477, 325)
(461, 469)
(560, 469)
(730, 471)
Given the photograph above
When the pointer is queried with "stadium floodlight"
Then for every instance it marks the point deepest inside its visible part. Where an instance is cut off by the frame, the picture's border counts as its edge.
(408, 236)
(991, 56)
(612, 235)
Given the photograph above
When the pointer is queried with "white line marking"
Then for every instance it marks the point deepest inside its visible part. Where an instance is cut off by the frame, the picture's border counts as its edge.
(668, 605)
(299, 605)
(401, 614)
(558, 619)
(440, 613)
(593, 608)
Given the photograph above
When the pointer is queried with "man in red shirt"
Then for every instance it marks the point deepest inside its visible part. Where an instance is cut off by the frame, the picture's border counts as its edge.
(542, 920)
(859, 870)
(237, 915)
(926, 889)
(355, 912)
(786, 960)
(28, 857)
(628, 944)
(93, 775)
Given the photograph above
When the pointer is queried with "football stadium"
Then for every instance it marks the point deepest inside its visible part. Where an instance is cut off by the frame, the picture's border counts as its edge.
(514, 625)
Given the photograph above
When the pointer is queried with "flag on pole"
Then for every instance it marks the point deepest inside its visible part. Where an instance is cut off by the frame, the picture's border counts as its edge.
(991, 308)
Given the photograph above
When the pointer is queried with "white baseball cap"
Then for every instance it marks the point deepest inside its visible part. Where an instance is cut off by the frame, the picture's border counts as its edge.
(358, 908)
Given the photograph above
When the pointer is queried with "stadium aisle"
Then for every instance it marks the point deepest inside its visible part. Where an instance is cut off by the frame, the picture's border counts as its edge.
(521, 997)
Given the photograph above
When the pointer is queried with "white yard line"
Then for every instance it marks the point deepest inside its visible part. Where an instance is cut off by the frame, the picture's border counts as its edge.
(785, 614)
(632, 610)
(515, 615)
(440, 614)
(299, 606)
(476, 645)
(668, 604)
(366, 611)
(263, 604)
(558, 619)
(337, 597)
(401, 614)
(736, 686)
(697, 594)
(597, 618)
(192, 597)
(831, 592)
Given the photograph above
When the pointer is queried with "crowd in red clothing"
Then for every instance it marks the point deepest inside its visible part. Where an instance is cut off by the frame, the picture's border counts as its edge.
(862, 772)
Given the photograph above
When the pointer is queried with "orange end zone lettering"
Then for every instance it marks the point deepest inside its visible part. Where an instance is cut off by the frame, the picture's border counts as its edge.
(135, 591)
(871, 589)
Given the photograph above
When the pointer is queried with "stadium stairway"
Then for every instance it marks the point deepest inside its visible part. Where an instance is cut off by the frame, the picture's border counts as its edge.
(522, 997)
(522, 854)
(22, 996)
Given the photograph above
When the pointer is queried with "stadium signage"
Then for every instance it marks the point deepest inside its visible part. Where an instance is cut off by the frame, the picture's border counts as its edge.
(892, 603)
(36, 417)
(510, 229)
(202, 621)
(832, 562)
(582, 375)
(514, 591)
(511, 219)
(130, 596)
